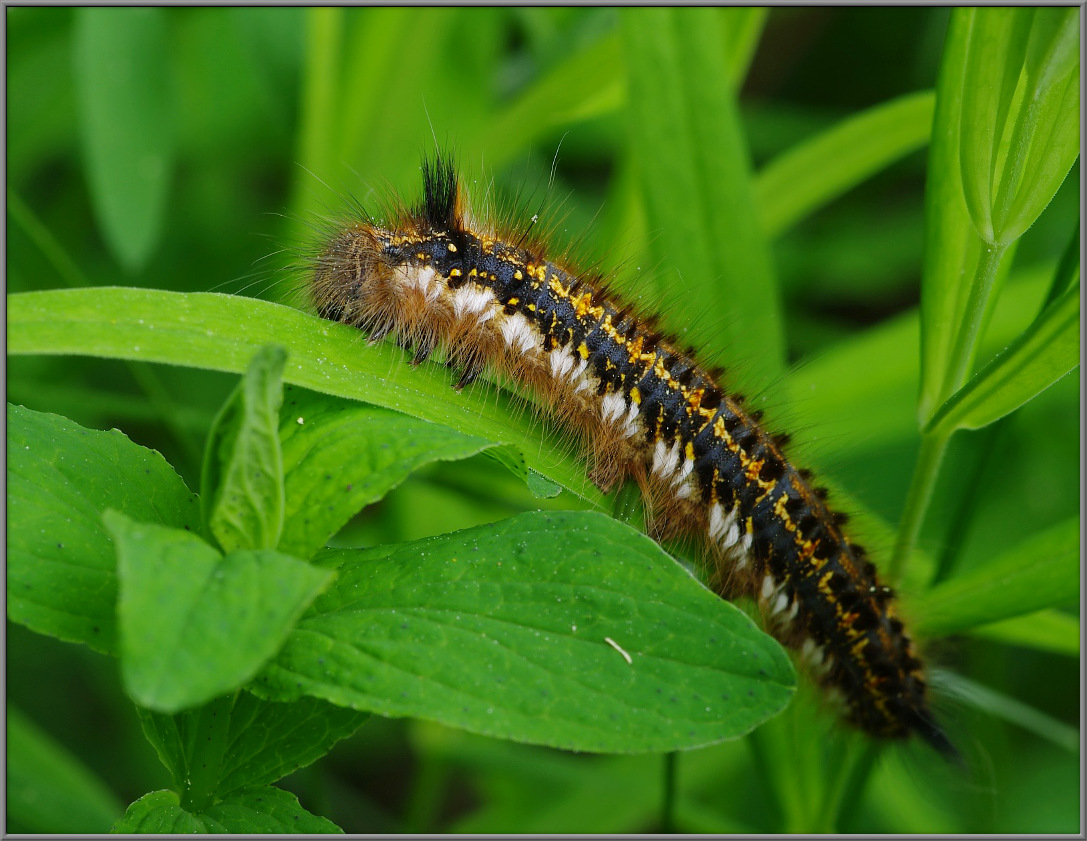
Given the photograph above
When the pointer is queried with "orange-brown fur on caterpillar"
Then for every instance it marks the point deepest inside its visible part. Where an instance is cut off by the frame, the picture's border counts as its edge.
(650, 412)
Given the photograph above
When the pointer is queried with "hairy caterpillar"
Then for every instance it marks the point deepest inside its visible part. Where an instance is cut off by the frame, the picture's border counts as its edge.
(648, 411)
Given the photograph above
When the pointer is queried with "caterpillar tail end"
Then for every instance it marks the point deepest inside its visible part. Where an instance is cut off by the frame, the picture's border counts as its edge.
(933, 734)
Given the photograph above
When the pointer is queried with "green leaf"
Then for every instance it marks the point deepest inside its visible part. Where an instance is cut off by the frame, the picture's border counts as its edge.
(50, 791)
(122, 74)
(1068, 269)
(1048, 350)
(696, 180)
(222, 332)
(1020, 114)
(1041, 572)
(523, 629)
(1045, 630)
(61, 561)
(1047, 139)
(1000, 705)
(742, 27)
(819, 170)
(195, 624)
(340, 456)
(242, 740)
(260, 809)
(542, 487)
(952, 246)
(242, 483)
(992, 54)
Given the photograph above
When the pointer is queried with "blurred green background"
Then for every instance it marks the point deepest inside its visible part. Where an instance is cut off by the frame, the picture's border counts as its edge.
(254, 120)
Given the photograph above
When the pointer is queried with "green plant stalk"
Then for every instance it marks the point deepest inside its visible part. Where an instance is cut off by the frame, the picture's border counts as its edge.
(203, 774)
(934, 442)
(426, 793)
(834, 796)
(319, 90)
(925, 472)
(668, 800)
(966, 342)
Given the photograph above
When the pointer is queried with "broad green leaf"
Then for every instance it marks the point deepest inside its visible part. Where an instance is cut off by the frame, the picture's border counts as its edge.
(242, 484)
(242, 740)
(340, 456)
(523, 629)
(195, 624)
(122, 75)
(251, 811)
(1040, 573)
(61, 561)
(50, 791)
(222, 332)
(819, 170)
(1048, 350)
(696, 180)
(1045, 630)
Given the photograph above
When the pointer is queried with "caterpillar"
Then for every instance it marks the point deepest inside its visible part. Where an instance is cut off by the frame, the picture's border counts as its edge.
(646, 410)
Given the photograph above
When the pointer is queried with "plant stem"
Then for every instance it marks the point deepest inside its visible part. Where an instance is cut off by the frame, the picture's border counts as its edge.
(966, 341)
(427, 794)
(668, 802)
(934, 441)
(925, 473)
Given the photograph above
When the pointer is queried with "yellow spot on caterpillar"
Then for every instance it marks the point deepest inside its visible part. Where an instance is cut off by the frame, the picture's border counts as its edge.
(635, 396)
(454, 272)
(452, 248)
(583, 350)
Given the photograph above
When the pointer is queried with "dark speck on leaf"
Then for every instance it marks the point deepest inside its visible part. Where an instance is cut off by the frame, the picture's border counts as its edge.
(750, 693)
(60, 545)
(349, 487)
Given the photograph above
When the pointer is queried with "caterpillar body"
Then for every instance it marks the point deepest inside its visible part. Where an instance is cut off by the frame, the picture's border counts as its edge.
(647, 411)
